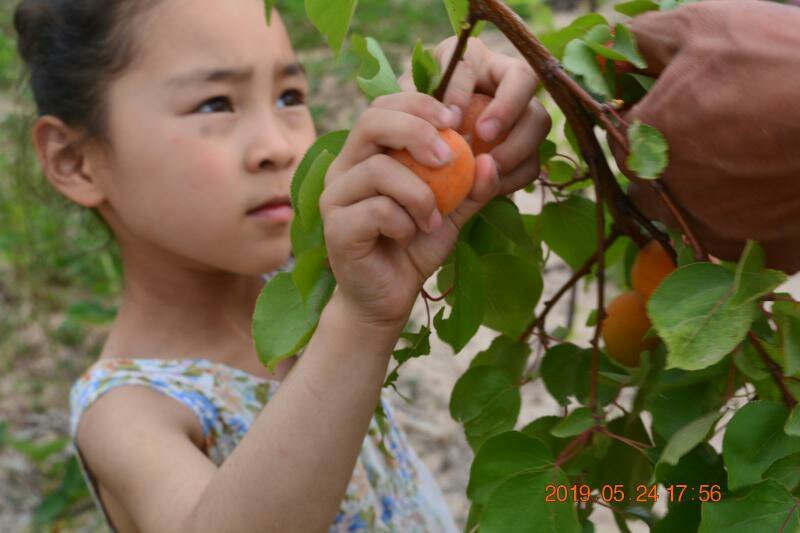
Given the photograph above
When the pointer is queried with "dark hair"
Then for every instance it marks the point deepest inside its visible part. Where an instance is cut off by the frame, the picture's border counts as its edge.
(73, 50)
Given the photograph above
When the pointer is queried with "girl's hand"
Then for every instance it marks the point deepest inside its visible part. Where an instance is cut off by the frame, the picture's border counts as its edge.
(383, 232)
(512, 83)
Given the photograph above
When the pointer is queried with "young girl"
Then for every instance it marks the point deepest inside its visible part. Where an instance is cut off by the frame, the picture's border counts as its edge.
(178, 121)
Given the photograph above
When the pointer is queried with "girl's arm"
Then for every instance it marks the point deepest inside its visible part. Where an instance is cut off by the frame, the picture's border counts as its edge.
(291, 470)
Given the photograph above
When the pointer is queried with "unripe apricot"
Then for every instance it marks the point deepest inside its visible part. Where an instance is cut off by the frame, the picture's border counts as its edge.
(477, 104)
(451, 183)
(652, 265)
(624, 329)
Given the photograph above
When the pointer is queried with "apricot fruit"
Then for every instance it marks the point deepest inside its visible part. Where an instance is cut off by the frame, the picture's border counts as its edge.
(477, 104)
(451, 183)
(624, 328)
(652, 265)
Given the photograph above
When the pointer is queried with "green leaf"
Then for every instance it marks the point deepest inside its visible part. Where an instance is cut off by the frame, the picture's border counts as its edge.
(569, 229)
(332, 18)
(425, 69)
(499, 415)
(519, 505)
(579, 60)
(687, 438)
(506, 354)
(375, 77)
(504, 456)
(503, 215)
(754, 439)
(752, 280)
(557, 41)
(331, 142)
(792, 426)
(785, 471)
(767, 506)
(559, 171)
(308, 269)
(787, 318)
(541, 429)
(38, 451)
(547, 150)
(311, 190)
(457, 11)
(635, 7)
(420, 345)
(566, 369)
(475, 389)
(513, 288)
(469, 300)
(648, 155)
(674, 408)
(575, 423)
(268, 6)
(625, 44)
(283, 322)
(692, 313)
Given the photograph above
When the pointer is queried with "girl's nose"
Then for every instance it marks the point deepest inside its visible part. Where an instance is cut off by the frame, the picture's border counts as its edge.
(271, 148)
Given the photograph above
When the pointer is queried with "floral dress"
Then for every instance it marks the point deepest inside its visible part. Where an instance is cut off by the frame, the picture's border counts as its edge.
(391, 489)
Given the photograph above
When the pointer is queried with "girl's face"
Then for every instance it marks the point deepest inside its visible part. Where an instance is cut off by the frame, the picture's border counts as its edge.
(206, 124)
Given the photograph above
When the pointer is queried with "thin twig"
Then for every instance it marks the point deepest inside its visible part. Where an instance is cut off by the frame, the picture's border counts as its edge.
(458, 54)
(699, 253)
(774, 369)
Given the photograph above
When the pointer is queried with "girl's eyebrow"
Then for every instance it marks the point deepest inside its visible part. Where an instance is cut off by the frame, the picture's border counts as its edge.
(200, 76)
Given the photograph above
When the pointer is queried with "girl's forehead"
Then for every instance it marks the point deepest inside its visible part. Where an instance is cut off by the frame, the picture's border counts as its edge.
(183, 33)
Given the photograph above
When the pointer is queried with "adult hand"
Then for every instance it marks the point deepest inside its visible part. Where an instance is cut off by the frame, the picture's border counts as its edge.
(727, 99)
(512, 83)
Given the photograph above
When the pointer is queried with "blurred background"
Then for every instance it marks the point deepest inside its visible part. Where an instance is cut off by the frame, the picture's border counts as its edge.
(60, 277)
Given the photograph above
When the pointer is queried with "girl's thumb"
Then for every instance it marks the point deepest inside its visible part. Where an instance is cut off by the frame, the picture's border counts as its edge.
(485, 188)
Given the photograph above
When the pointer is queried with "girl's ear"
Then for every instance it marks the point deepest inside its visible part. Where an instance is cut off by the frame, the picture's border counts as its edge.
(67, 167)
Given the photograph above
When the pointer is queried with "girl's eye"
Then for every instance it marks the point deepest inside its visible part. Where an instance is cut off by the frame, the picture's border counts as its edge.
(215, 102)
(292, 97)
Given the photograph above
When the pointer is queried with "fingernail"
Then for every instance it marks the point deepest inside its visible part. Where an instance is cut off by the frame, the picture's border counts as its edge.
(489, 129)
(442, 151)
(435, 221)
(448, 118)
(458, 116)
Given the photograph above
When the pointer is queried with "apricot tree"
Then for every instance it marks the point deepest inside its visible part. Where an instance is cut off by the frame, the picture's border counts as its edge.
(695, 350)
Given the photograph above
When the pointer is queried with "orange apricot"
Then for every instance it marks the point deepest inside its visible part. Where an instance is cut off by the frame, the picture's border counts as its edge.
(652, 265)
(451, 183)
(624, 328)
(477, 104)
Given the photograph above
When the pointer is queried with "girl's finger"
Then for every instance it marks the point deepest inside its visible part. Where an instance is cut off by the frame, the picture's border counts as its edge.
(356, 227)
(379, 129)
(467, 73)
(423, 106)
(522, 176)
(486, 187)
(516, 85)
(525, 137)
(383, 175)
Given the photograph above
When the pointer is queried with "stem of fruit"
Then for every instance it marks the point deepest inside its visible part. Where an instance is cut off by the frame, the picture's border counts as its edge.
(774, 369)
(573, 447)
(574, 102)
(661, 189)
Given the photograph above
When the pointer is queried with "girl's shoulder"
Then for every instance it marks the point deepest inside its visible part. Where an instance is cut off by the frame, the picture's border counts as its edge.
(217, 394)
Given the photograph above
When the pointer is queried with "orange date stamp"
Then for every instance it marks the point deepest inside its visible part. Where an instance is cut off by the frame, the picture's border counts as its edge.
(642, 493)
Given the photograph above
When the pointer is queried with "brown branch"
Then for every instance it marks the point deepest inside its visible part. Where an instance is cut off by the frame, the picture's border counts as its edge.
(458, 54)
(437, 298)
(576, 276)
(699, 253)
(572, 100)
(774, 369)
